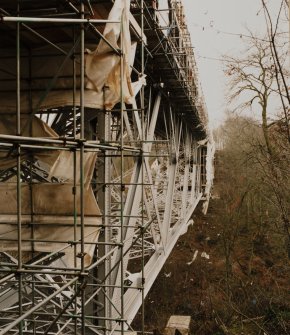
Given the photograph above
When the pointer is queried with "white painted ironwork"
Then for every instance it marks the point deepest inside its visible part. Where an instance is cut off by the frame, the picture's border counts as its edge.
(138, 194)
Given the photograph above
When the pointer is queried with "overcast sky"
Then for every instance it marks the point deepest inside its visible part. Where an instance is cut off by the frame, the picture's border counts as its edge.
(213, 25)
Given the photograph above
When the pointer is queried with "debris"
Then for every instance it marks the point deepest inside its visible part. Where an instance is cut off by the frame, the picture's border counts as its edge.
(205, 255)
(177, 324)
(190, 223)
(132, 276)
(167, 275)
(193, 257)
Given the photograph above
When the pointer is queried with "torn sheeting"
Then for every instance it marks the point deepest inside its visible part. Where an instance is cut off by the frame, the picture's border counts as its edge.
(37, 128)
(56, 99)
(102, 72)
(47, 199)
(209, 172)
(64, 233)
(131, 56)
(136, 87)
(103, 66)
(63, 170)
(64, 98)
(52, 209)
(53, 216)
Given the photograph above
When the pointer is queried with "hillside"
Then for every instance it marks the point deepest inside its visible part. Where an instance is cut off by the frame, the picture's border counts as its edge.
(229, 275)
(258, 301)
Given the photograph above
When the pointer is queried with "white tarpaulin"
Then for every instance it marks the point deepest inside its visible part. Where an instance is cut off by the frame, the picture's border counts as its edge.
(103, 75)
(209, 171)
(53, 218)
(103, 66)
(36, 128)
(62, 168)
(50, 212)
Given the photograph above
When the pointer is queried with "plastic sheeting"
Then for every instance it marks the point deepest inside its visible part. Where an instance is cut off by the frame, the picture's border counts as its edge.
(56, 99)
(46, 199)
(62, 168)
(49, 211)
(36, 128)
(103, 66)
(209, 171)
(102, 69)
(51, 208)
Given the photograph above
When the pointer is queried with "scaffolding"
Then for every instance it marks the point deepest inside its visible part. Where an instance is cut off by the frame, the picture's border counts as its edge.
(104, 157)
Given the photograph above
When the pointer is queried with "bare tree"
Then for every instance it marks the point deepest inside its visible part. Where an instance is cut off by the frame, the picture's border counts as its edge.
(256, 81)
(280, 72)
(252, 79)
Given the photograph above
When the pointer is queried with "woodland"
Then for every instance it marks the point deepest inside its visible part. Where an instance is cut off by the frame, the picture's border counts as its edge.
(231, 271)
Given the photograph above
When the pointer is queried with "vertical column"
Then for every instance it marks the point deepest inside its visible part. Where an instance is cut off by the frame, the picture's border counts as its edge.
(142, 172)
(185, 176)
(18, 133)
(82, 133)
(122, 188)
(104, 202)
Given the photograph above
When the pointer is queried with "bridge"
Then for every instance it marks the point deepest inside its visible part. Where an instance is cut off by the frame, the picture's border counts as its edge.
(105, 155)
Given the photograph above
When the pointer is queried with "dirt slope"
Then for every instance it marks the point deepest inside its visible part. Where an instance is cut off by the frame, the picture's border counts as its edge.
(193, 282)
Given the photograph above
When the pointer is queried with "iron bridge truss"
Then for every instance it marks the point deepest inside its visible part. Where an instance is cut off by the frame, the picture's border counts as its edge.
(71, 263)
